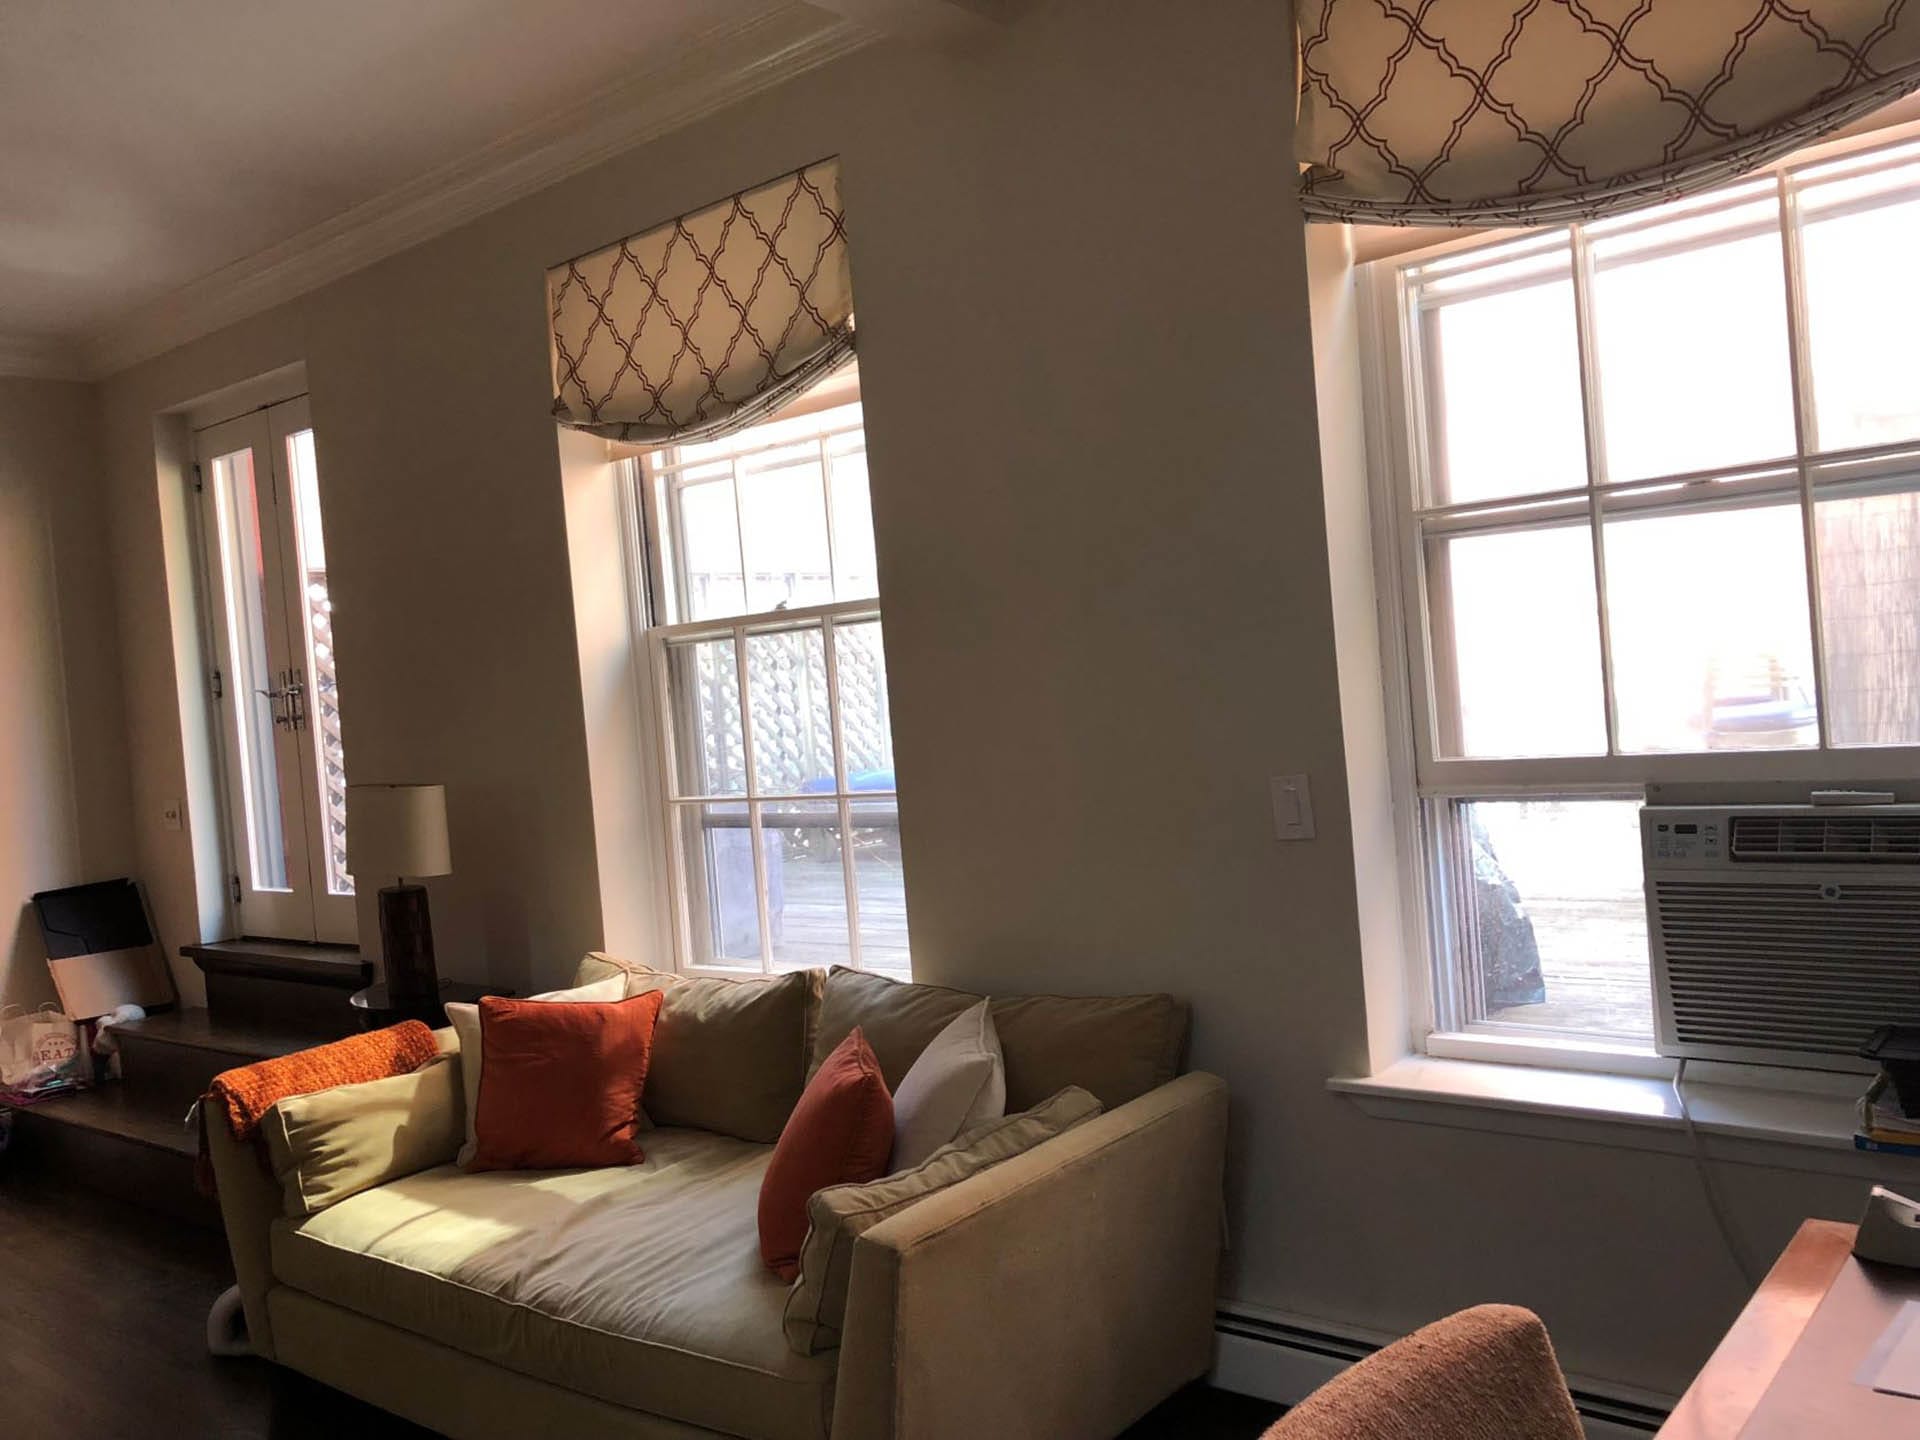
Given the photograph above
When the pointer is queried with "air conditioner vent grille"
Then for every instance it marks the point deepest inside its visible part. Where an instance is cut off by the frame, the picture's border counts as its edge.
(1828, 839)
(1791, 967)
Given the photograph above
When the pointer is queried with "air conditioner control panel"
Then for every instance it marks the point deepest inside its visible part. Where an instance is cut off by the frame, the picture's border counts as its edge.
(1685, 842)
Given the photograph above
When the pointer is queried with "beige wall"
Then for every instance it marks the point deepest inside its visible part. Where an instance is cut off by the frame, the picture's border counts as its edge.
(63, 768)
(1089, 381)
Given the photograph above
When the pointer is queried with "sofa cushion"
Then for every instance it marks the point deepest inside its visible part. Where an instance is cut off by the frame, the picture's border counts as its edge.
(729, 1056)
(560, 1085)
(464, 1020)
(1117, 1046)
(335, 1143)
(958, 1081)
(841, 1133)
(638, 1285)
(839, 1215)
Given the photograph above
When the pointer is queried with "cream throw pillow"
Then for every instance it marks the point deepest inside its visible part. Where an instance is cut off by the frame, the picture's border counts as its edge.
(958, 1082)
(465, 1020)
(334, 1143)
(839, 1215)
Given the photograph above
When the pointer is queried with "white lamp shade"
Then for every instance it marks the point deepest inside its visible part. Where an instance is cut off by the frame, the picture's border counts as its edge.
(397, 830)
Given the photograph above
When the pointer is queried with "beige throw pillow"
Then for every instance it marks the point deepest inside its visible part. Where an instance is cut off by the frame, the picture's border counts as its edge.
(465, 1020)
(335, 1143)
(841, 1214)
(959, 1081)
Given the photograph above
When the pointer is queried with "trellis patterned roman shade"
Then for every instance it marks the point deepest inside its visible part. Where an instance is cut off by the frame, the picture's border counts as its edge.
(1480, 112)
(708, 323)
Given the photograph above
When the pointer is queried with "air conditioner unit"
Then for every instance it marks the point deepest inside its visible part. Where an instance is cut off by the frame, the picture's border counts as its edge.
(1782, 934)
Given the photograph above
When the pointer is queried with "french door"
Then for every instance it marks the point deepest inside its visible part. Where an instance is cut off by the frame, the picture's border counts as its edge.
(274, 684)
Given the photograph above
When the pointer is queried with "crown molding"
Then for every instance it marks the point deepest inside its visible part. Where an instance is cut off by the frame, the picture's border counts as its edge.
(37, 357)
(714, 70)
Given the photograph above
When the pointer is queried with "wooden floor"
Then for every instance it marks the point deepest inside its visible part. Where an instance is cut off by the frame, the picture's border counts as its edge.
(103, 1334)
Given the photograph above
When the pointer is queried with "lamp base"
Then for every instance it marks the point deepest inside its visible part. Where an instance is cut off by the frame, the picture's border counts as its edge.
(406, 946)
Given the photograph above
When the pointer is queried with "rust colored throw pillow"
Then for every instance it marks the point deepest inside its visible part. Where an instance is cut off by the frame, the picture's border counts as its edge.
(560, 1084)
(840, 1133)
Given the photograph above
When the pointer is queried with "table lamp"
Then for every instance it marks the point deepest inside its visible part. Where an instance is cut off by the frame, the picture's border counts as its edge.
(393, 832)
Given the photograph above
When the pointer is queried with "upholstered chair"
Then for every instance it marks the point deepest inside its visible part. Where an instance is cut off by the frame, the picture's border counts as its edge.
(1485, 1374)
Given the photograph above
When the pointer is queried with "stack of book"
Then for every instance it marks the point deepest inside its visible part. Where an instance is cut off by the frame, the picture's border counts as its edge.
(1884, 1126)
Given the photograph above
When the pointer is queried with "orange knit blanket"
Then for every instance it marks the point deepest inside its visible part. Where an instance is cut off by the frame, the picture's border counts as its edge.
(242, 1097)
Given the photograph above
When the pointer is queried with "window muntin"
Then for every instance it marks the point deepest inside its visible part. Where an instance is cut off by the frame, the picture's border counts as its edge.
(770, 681)
(1723, 585)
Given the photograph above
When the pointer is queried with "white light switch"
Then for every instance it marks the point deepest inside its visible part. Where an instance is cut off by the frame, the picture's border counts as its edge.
(1292, 808)
(170, 817)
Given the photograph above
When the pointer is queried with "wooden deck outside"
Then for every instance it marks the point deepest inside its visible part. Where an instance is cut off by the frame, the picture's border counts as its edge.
(1593, 956)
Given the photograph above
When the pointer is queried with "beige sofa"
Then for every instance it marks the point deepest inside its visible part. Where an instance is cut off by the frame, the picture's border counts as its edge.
(1061, 1293)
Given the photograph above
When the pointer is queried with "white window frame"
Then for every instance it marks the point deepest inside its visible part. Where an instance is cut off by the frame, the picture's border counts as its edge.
(1420, 776)
(656, 584)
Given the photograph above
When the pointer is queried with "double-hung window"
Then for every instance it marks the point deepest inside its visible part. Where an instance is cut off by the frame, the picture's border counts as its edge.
(770, 683)
(276, 694)
(1652, 492)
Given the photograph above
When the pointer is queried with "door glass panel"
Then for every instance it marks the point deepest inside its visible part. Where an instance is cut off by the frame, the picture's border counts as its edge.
(322, 705)
(243, 568)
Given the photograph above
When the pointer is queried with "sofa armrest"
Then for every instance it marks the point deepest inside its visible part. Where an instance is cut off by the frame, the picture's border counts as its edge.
(1061, 1294)
(251, 1199)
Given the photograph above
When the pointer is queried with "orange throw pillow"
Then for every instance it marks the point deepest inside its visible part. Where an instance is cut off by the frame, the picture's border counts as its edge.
(560, 1084)
(840, 1133)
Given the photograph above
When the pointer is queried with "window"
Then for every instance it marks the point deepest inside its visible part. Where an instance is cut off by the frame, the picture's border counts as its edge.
(770, 679)
(1654, 497)
(274, 685)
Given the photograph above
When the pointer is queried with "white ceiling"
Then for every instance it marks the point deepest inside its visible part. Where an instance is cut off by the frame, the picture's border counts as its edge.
(148, 145)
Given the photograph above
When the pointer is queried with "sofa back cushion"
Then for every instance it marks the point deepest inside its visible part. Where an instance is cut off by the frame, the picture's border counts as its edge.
(840, 1214)
(335, 1143)
(729, 1056)
(1116, 1046)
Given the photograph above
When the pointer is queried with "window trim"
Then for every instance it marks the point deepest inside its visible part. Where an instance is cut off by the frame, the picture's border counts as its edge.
(655, 599)
(1391, 384)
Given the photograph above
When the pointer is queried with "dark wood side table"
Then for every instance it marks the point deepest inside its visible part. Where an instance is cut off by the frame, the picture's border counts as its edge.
(1786, 1368)
(373, 1009)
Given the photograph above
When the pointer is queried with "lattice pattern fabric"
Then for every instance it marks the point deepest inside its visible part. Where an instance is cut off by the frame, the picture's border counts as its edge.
(1451, 112)
(709, 323)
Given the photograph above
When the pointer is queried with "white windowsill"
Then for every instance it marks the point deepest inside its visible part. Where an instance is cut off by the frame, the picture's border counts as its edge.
(1808, 1127)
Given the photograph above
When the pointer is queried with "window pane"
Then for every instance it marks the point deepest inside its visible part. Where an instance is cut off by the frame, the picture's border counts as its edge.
(709, 549)
(1558, 919)
(1519, 614)
(806, 884)
(882, 887)
(243, 569)
(856, 573)
(323, 708)
(1503, 380)
(1690, 329)
(792, 722)
(1870, 610)
(783, 512)
(861, 663)
(1711, 649)
(703, 684)
(723, 914)
(1858, 237)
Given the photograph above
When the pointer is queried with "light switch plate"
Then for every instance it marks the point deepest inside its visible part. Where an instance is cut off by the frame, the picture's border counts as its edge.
(170, 817)
(1292, 808)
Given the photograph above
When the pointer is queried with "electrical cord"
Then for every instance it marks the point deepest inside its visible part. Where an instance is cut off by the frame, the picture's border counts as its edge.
(1714, 1200)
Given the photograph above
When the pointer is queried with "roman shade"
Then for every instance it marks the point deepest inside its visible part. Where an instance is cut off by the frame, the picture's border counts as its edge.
(1475, 112)
(708, 323)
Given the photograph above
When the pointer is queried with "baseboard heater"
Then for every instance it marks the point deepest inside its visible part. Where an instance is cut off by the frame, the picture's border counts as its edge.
(1286, 1363)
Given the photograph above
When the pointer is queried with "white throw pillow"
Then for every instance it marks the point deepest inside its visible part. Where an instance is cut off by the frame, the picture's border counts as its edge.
(959, 1080)
(465, 1020)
